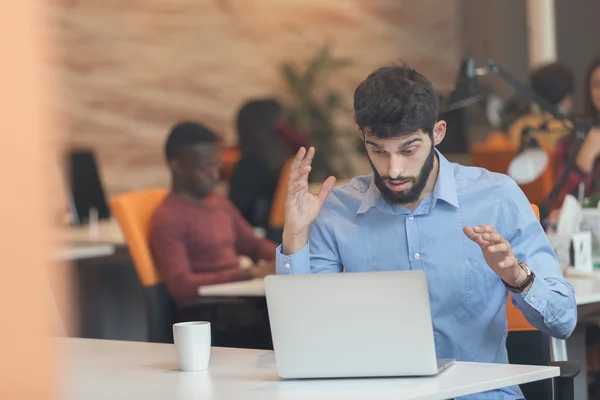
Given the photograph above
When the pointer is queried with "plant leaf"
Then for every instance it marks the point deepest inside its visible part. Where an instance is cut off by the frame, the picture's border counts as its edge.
(333, 100)
(292, 78)
(316, 66)
(340, 63)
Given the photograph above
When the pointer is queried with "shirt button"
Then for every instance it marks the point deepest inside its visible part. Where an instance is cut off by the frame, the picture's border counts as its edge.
(287, 265)
(417, 256)
(411, 217)
(532, 299)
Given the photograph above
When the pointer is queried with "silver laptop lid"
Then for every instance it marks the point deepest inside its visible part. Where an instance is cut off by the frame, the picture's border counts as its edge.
(351, 324)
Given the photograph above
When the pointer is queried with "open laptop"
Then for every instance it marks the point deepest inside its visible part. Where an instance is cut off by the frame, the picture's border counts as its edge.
(366, 324)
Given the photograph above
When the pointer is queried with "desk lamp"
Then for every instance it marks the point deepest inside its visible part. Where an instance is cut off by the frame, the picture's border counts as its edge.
(466, 90)
(531, 160)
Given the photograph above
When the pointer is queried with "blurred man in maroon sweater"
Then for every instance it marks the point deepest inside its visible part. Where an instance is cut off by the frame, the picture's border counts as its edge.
(196, 235)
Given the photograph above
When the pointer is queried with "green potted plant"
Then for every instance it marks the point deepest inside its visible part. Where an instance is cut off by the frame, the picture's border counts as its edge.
(310, 105)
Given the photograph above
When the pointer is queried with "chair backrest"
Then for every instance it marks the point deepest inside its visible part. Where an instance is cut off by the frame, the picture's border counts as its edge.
(536, 210)
(229, 158)
(277, 215)
(516, 320)
(134, 211)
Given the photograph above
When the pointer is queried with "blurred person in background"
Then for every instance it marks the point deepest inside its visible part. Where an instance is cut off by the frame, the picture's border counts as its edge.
(587, 163)
(592, 92)
(266, 143)
(197, 235)
(555, 83)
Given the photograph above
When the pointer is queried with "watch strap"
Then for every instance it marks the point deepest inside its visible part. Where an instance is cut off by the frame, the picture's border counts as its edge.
(521, 287)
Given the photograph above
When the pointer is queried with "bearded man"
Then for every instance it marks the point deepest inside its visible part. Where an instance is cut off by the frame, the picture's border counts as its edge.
(472, 232)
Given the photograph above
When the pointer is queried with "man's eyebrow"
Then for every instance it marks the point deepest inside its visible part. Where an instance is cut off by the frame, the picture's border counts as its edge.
(409, 142)
(379, 146)
(402, 146)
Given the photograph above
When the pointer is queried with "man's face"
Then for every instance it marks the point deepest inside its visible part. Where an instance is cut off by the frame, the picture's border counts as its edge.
(595, 88)
(199, 167)
(401, 166)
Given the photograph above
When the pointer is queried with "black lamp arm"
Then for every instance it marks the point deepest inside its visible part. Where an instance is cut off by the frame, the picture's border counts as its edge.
(580, 130)
(523, 90)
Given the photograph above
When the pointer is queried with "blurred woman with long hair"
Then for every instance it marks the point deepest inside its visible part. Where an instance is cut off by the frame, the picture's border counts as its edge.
(586, 168)
(266, 142)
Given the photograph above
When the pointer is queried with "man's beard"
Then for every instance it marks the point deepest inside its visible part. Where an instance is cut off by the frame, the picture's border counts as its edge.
(410, 195)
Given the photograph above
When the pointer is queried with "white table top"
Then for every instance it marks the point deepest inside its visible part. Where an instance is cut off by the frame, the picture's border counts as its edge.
(101, 369)
(107, 232)
(586, 286)
(79, 251)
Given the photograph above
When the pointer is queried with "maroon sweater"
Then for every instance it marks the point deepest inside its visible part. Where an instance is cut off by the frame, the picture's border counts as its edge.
(195, 245)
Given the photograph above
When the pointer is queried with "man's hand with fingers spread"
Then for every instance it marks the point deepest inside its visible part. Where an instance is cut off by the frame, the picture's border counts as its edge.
(497, 253)
(302, 207)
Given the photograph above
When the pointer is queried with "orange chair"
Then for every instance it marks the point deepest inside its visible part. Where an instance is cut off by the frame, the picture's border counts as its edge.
(527, 345)
(134, 211)
(277, 216)
(495, 155)
(229, 159)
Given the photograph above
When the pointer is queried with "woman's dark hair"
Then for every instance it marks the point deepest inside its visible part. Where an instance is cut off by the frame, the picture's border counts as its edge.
(553, 82)
(256, 121)
(257, 131)
(395, 101)
(589, 111)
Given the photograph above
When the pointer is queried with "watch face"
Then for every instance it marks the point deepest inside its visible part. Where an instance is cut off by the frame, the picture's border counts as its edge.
(525, 267)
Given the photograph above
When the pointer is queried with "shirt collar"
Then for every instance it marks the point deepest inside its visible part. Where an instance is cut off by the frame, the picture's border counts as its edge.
(445, 187)
(370, 197)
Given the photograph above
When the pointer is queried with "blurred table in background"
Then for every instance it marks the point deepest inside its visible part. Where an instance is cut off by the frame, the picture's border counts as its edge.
(109, 297)
(106, 232)
(81, 251)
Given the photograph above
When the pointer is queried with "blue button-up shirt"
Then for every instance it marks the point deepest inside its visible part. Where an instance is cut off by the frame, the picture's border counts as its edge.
(357, 230)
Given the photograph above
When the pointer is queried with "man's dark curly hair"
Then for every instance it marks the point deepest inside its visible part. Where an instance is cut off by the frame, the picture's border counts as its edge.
(394, 101)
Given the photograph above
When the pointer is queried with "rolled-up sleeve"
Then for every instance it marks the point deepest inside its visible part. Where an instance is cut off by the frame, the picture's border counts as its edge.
(549, 304)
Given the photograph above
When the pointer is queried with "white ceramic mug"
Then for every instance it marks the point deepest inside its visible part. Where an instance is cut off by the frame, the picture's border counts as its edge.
(192, 341)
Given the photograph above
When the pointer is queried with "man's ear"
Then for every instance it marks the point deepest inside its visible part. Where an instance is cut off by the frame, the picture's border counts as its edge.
(360, 132)
(175, 166)
(439, 132)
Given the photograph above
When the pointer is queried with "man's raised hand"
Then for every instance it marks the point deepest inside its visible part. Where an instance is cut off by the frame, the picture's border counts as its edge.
(301, 206)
